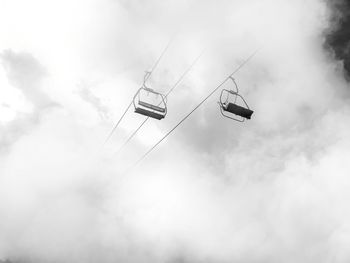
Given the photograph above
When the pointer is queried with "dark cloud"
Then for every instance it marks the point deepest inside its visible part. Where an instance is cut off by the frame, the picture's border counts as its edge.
(338, 39)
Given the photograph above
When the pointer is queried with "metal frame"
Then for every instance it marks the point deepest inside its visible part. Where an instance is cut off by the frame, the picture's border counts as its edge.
(224, 102)
(136, 98)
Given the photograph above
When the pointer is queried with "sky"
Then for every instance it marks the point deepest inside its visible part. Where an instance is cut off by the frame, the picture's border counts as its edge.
(271, 189)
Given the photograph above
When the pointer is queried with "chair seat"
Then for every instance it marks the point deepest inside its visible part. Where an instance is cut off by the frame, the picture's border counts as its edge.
(151, 106)
(150, 114)
(238, 110)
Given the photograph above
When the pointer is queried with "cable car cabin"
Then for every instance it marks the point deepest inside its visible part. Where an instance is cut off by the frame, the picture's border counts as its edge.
(233, 105)
(150, 103)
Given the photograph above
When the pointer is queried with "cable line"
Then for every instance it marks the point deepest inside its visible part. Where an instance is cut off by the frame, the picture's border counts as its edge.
(147, 76)
(195, 108)
(116, 126)
(166, 96)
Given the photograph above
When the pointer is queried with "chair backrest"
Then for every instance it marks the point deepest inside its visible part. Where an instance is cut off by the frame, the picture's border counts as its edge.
(151, 106)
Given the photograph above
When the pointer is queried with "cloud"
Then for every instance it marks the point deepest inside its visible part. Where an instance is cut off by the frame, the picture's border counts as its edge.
(26, 74)
(337, 39)
(90, 98)
(273, 189)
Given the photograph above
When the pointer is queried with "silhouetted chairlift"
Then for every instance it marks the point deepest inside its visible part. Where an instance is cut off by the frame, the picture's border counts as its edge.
(149, 102)
(229, 106)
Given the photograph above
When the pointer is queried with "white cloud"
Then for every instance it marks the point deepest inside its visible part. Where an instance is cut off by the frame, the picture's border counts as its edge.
(273, 189)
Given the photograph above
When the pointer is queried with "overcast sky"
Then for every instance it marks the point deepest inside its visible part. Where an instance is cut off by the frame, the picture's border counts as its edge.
(272, 189)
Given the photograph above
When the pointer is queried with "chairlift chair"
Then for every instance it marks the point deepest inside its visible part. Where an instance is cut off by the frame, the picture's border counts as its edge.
(229, 106)
(150, 103)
